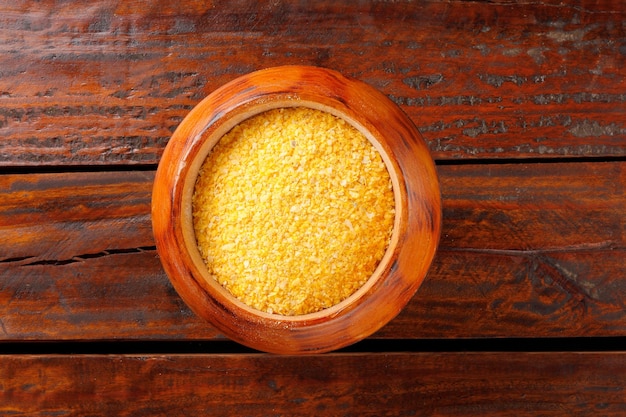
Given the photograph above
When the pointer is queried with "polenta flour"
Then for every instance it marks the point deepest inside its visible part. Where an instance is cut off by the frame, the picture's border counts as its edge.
(293, 210)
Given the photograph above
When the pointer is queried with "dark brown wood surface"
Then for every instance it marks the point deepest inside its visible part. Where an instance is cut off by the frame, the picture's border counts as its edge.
(444, 384)
(105, 82)
(522, 104)
(526, 250)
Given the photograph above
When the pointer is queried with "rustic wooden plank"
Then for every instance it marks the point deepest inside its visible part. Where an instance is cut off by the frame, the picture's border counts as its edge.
(55, 217)
(78, 260)
(537, 294)
(107, 83)
(556, 206)
(421, 384)
(527, 250)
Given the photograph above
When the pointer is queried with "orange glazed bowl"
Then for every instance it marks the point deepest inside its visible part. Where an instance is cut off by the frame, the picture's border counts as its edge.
(414, 231)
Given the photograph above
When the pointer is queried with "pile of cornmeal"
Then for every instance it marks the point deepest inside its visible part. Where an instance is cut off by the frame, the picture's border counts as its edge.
(293, 210)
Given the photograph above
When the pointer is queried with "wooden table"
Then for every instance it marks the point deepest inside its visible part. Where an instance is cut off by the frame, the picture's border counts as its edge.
(523, 106)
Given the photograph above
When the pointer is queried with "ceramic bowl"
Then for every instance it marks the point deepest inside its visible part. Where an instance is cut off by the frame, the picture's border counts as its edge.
(415, 233)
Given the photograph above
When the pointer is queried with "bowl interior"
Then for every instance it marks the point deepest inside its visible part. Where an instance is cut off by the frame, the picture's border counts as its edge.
(208, 141)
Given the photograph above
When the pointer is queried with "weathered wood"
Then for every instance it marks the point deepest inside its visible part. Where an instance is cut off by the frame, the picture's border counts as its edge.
(78, 254)
(527, 250)
(422, 384)
(53, 218)
(107, 83)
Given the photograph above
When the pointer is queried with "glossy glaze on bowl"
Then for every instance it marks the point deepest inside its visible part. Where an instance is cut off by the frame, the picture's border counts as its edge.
(416, 228)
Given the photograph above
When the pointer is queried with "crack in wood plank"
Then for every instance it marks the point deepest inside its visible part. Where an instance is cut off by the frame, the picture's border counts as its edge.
(605, 245)
(86, 256)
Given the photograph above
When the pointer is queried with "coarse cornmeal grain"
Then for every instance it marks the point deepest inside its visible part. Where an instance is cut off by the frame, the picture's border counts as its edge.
(293, 209)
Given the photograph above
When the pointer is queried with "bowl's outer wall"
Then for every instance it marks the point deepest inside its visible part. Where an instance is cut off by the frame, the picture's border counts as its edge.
(417, 230)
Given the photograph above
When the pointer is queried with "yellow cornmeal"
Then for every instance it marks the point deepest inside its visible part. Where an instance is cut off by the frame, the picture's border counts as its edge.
(293, 210)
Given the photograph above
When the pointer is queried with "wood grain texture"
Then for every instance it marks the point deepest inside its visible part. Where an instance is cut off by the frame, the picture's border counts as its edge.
(78, 254)
(108, 82)
(531, 249)
(427, 384)
(527, 250)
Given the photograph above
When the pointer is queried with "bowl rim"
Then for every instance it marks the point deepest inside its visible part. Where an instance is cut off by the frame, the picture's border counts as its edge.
(208, 143)
(415, 187)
